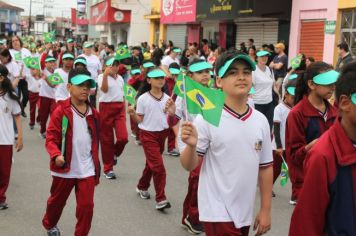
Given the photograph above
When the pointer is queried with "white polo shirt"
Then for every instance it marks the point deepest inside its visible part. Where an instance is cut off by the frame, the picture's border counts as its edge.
(262, 82)
(46, 90)
(116, 89)
(61, 89)
(280, 116)
(8, 109)
(82, 165)
(93, 65)
(34, 84)
(153, 111)
(167, 60)
(233, 154)
(14, 70)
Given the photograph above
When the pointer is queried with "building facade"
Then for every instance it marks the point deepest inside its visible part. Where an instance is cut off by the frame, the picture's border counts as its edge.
(10, 20)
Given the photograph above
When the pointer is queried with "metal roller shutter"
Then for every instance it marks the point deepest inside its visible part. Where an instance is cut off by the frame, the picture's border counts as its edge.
(261, 32)
(178, 35)
(312, 39)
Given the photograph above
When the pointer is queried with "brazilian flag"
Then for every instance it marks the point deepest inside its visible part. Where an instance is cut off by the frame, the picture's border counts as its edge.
(55, 79)
(18, 56)
(205, 101)
(179, 86)
(49, 36)
(284, 173)
(122, 53)
(295, 62)
(130, 94)
(32, 62)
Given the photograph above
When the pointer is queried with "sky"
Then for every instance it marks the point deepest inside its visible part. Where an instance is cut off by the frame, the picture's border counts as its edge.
(59, 7)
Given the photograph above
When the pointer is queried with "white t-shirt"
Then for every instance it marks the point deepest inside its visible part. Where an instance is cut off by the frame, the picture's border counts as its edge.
(34, 84)
(153, 111)
(46, 90)
(24, 53)
(233, 154)
(82, 165)
(8, 109)
(93, 65)
(167, 60)
(263, 83)
(280, 116)
(116, 89)
(61, 89)
(14, 70)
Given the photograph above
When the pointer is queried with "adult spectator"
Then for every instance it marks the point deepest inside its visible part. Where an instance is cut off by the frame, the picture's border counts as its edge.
(137, 56)
(172, 57)
(109, 51)
(184, 59)
(251, 43)
(279, 65)
(205, 47)
(309, 60)
(243, 47)
(252, 53)
(344, 56)
(193, 50)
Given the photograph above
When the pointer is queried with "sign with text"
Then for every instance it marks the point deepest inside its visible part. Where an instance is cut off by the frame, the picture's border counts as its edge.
(103, 12)
(330, 27)
(178, 11)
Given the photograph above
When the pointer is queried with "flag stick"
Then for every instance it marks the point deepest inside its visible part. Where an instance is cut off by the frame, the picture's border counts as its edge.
(285, 162)
(185, 99)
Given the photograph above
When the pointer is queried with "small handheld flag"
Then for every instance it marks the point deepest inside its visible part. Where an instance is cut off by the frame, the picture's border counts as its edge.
(49, 36)
(130, 94)
(32, 62)
(18, 56)
(64, 132)
(179, 86)
(122, 53)
(284, 173)
(295, 62)
(55, 79)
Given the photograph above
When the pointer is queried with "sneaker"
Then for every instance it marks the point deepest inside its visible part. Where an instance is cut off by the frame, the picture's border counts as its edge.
(133, 135)
(143, 194)
(162, 205)
(32, 127)
(3, 206)
(110, 175)
(54, 231)
(138, 142)
(273, 194)
(43, 135)
(174, 153)
(193, 228)
(24, 114)
(293, 202)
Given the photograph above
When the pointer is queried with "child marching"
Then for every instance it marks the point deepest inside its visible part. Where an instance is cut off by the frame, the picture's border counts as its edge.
(62, 93)
(34, 85)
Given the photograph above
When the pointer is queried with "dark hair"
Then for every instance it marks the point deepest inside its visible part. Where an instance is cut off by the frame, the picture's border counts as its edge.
(157, 56)
(183, 59)
(145, 86)
(344, 46)
(111, 47)
(6, 53)
(313, 70)
(77, 71)
(303, 65)
(174, 65)
(251, 40)
(6, 85)
(10, 41)
(224, 57)
(346, 84)
(311, 59)
(205, 41)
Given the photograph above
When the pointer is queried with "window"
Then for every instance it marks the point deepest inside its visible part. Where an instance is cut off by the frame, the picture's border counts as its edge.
(348, 29)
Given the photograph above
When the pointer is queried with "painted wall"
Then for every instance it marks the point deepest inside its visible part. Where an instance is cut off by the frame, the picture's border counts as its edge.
(312, 10)
(347, 4)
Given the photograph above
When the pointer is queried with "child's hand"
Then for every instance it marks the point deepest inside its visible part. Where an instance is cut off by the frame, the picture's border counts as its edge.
(19, 144)
(279, 152)
(130, 110)
(262, 223)
(107, 71)
(311, 144)
(170, 107)
(189, 134)
(59, 161)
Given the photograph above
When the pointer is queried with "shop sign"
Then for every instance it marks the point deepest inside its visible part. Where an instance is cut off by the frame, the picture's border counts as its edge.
(224, 9)
(330, 27)
(178, 11)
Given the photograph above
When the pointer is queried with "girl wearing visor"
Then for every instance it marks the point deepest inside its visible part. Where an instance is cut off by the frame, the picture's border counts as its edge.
(309, 119)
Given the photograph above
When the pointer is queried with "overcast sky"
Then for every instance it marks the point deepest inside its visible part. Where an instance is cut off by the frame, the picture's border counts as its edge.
(59, 7)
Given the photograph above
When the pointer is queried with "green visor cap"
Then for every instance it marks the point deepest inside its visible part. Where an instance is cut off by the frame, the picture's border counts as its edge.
(111, 61)
(252, 91)
(67, 56)
(200, 66)
(79, 79)
(227, 64)
(293, 76)
(174, 71)
(291, 90)
(262, 53)
(148, 65)
(156, 74)
(3, 42)
(327, 78)
(49, 59)
(177, 50)
(135, 71)
(353, 98)
(80, 60)
(88, 45)
(70, 40)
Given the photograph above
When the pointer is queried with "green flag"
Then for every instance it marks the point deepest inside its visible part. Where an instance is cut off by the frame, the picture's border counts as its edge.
(32, 62)
(130, 94)
(284, 173)
(122, 53)
(179, 86)
(55, 78)
(18, 56)
(64, 132)
(205, 101)
(49, 36)
(211, 83)
(295, 62)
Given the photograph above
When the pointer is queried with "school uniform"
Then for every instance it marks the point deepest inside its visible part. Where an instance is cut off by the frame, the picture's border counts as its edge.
(304, 124)
(326, 203)
(233, 154)
(153, 133)
(61, 93)
(81, 170)
(170, 83)
(135, 81)
(280, 116)
(47, 101)
(8, 109)
(14, 70)
(34, 85)
(93, 66)
(113, 116)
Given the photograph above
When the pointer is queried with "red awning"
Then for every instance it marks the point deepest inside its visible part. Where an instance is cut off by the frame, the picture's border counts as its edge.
(103, 12)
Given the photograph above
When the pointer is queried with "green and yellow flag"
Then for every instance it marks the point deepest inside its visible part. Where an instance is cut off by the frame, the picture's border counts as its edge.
(284, 173)
(122, 53)
(49, 37)
(130, 94)
(18, 56)
(64, 132)
(205, 101)
(32, 62)
(179, 86)
(55, 79)
(295, 62)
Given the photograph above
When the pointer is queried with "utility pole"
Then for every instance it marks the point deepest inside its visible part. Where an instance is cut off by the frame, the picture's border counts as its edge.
(29, 19)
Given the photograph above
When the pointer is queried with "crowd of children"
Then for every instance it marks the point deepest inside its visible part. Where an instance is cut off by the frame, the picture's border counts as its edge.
(226, 162)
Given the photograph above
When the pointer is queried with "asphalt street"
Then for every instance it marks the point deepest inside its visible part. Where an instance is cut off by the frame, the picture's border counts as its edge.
(118, 210)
